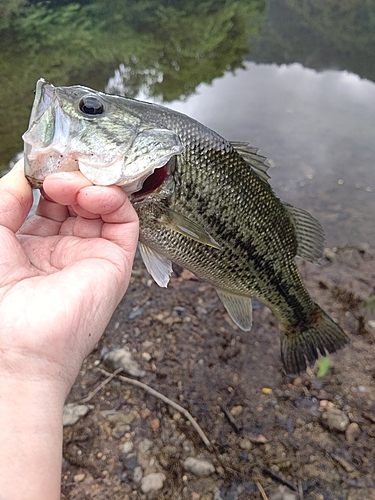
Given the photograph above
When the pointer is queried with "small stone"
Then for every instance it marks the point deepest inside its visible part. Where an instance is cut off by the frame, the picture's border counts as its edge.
(152, 482)
(122, 358)
(145, 445)
(198, 467)
(236, 410)
(137, 475)
(78, 478)
(155, 424)
(245, 444)
(119, 431)
(335, 419)
(220, 470)
(146, 356)
(352, 433)
(283, 493)
(145, 413)
(127, 447)
(73, 412)
(297, 381)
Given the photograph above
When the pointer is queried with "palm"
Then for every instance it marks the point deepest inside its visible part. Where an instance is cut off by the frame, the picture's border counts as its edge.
(62, 275)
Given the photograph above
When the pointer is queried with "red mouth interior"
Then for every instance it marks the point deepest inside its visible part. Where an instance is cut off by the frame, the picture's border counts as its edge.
(153, 181)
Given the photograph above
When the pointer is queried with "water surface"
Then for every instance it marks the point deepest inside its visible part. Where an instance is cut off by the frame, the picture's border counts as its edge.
(295, 79)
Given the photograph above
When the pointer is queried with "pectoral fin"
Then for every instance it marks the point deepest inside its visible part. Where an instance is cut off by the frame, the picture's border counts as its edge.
(239, 308)
(158, 266)
(191, 229)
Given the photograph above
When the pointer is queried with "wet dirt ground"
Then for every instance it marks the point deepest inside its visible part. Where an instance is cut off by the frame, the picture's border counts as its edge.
(272, 436)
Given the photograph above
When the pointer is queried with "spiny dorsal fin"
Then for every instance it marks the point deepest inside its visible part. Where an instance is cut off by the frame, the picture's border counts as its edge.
(309, 234)
(255, 161)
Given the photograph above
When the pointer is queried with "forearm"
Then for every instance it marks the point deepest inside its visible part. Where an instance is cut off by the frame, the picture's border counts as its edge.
(30, 440)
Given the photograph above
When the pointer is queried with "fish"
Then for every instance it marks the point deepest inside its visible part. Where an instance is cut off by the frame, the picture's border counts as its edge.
(203, 202)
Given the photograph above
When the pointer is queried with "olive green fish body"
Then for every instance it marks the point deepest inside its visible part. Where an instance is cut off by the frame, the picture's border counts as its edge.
(203, 202)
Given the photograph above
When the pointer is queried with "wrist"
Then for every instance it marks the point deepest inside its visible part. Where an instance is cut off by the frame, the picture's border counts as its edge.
(31, 439)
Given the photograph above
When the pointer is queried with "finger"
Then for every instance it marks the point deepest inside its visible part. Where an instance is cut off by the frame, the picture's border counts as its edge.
(81, 227)
(63, 187)
(15, 198)
(110, 202)
(78, 210)
(101, 199)
(52, 210)
(47, 219)
(124, 235)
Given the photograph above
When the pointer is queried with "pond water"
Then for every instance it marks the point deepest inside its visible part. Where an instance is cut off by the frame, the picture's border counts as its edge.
(295, 79)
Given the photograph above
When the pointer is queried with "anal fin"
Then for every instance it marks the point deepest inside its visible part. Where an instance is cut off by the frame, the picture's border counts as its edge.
(239, 308)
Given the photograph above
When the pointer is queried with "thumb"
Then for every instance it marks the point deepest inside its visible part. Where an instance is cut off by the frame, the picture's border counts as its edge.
(15, 198)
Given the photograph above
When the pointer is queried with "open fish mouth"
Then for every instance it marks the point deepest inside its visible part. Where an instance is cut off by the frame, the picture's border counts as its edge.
(66, 134)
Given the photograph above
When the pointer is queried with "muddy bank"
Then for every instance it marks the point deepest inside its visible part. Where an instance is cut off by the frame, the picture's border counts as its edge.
(271, 436)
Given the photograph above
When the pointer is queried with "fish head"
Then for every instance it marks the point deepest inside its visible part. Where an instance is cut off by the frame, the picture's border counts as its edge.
(104, 136)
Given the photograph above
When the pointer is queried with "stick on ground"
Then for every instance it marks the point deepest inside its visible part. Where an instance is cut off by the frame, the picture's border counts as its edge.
(163, 398)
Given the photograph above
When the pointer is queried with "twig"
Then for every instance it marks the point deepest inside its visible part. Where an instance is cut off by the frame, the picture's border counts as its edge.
(232, 421)
(300, 484)
(166, 400)
(279, 479)
(262, 492)
(100, 386)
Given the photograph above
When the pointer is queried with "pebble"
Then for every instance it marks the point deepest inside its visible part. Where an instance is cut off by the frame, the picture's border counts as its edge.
(352, 433)
(122, 358)
(152, 482)
(335, 419)
(127, 447)
(73, 413)
(145, 445)
(119, 431)
(137, 475)
(155, 424)
(145, 413)
(78, 478)
(245, 444)
(283, 493)
(198, 467)
(236, 410)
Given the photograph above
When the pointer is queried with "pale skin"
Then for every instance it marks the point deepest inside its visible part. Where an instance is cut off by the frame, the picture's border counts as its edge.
(62, 274)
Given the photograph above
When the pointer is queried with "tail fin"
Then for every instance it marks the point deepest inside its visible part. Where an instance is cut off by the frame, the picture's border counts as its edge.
(322, 335)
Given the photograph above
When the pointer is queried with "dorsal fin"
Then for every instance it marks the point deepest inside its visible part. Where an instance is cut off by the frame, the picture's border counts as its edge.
(250, 155)
(309, 234)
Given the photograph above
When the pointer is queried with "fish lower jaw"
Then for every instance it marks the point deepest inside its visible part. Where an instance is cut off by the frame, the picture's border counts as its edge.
(34, 183)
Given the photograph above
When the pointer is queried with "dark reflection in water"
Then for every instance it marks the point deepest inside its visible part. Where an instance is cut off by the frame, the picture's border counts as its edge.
(317, 128)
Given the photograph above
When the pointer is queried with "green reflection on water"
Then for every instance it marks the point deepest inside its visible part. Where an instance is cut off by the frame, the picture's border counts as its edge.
(168, 47)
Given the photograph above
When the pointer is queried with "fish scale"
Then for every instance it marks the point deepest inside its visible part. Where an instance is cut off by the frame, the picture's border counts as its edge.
(211, 210)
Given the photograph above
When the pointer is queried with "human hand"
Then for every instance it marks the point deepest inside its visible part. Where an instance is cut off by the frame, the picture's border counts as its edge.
(62, 273)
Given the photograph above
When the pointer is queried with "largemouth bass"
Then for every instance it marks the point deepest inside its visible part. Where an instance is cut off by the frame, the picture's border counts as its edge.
(203, 202)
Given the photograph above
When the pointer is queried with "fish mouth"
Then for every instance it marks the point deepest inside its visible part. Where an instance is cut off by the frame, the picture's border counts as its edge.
(152, 182)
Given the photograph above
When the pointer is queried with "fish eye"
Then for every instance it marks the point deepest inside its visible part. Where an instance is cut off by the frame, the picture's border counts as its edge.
(91, 105)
